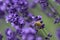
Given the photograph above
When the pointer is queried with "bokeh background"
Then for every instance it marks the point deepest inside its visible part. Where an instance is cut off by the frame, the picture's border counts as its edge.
(50, 27)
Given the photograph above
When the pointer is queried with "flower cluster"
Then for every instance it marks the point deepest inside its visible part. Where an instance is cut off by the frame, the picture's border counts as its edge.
(10, 35)
(25, 23)
(57, 20)
(27, 33)
(44, 3)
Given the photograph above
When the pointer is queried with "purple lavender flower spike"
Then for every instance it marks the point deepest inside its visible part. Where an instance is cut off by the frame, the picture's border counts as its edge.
(57, 20)
(23, 5)
(11, 35)
(9, 18)
(12, 10)
(16, 22)
(12, 17)
(8, 31)
(44, 5)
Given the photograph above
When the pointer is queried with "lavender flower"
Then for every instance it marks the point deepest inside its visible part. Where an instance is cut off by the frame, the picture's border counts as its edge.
(10, 35)
(57, 20)
(11, 17)
(44, 4)
(17, 22)
(23, 5)
(8, 32)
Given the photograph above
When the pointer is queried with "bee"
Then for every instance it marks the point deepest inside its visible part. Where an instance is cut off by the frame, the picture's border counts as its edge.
(39, 24)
